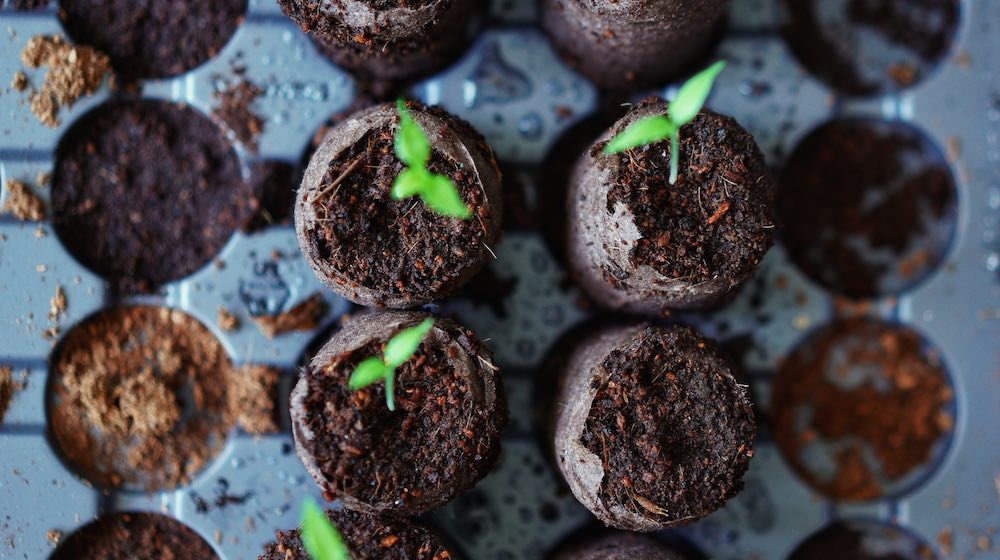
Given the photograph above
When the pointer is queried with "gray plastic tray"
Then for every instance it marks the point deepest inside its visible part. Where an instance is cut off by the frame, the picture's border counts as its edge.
(515, 90)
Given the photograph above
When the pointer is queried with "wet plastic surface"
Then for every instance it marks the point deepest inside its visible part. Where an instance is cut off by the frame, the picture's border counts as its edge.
(513, 88)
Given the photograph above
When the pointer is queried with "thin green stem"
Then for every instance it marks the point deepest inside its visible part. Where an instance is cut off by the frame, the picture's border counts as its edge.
(675, 155)
(390, 389)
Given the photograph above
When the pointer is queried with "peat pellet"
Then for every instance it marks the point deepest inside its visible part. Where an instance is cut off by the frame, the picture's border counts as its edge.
(146, 192)
(378, 251)
(443, 437)
(652, 430)
(387, 39)
(640, 244)
(627, 44)
(150, 39)
(134, 536)
(619, 546)
(368, 537)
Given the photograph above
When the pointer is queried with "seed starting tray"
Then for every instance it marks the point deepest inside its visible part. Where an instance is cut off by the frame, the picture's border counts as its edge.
(516, 91)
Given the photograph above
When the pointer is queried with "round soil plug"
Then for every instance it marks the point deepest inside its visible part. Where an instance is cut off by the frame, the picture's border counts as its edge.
(652, 430)
(443, 437)
(863, 409)
(387, 39)
(638, 243)
(134, 536)
(147, 192)
(628, 44)
(378, 251)
(863, 540)
(619, 546)
(151, 39)
(138, 398)
(368, 537)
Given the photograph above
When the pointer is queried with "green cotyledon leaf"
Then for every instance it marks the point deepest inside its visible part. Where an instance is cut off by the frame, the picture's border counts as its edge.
(319, 536)
(643, 131)
(412, 145)
(693, 94)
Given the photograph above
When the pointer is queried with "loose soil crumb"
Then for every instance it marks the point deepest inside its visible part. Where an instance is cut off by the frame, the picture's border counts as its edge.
(303, 317)
(140, 397)
(227, 320)
(862, 386)
(53, 536)
(8, 388)
(254, 398)
(74, 71)
(22, 202)
(58, 304)
(134, 536)
(235, 111)
(20, 81)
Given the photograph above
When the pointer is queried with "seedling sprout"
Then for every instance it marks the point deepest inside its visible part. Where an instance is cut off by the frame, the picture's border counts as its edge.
(398, 351)
(319, 536)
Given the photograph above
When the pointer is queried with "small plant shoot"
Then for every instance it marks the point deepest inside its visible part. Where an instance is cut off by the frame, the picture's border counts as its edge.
(398, 351)
(319, 537)
(437, 191)
(683, 109)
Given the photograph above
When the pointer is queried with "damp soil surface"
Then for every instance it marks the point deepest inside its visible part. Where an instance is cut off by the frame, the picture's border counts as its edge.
(715, 220)
(148, 39)
(397, 246)
(139, 398)
(871, 399)
(674, 433)
(862, 541)
(868, 208)
(429, 443)
(368, 538)
(134, 536)
(147, 192)
(864, 47)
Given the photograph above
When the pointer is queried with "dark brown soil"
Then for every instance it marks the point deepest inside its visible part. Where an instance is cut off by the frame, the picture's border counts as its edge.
(854, 191)
(368, 538)
(149, 39)
(713, 221)
(618, 546)
(675, 434)
(421, 41)
(139, 398)
(274, 184)
(234, 108)
(134, 536)
(863, 47)
(862, 385)
(401, 251)
(848, 540)
(441, 439)
(27, 5)
(146, 192)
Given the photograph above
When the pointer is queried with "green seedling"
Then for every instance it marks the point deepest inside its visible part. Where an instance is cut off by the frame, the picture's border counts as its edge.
(437, 191)
(319, 537)
(398, 351)
(683, 109)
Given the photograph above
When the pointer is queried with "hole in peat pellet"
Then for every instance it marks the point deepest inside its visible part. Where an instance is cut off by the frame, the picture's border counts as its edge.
(868, 208)
(134, 536)
(138, 398)
(148, 39)
(863, 540)
(147, 192)
(863, 409)
(864, 47)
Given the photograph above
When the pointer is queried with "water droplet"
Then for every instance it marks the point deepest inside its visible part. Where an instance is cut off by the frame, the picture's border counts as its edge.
(530, 126)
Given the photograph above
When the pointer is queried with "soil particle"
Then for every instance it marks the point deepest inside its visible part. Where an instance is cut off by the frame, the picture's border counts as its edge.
(140, 397)
(305, 316)
(147, 192)
(654, 431)
(134, 536)
(227, 321)
(640, 243)
(235, 110)
(19, 82)
(150, 38)
(253, 396)
(442, 439)
(862, 387)
(73, 71)
(9, 388)
(368, 538)
(378, 251)
(22, 203)
(58, 304)
(854, 191)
